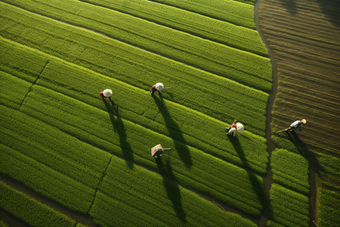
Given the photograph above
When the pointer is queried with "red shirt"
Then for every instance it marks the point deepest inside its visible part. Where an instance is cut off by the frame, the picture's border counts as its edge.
(154, 88)
(233, 125)
(102, 95)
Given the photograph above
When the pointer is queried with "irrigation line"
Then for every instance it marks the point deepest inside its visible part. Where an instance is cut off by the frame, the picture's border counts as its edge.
(34, 82)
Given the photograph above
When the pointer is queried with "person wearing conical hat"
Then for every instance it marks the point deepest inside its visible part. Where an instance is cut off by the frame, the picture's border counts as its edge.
(157, 87)
(106, 94)
(296, 125)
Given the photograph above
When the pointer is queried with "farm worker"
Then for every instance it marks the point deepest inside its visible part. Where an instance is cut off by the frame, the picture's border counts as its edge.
(296, 125)
(158, 87)
(106, 94)
(232, 129)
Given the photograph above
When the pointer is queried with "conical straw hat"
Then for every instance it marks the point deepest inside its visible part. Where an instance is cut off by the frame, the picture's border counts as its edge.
(240, 127)
(107, 92)
(159, 86)
(304, 121)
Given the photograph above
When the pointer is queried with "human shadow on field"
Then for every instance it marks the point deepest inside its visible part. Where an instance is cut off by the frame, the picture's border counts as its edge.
(171, 187)
(331, 9)
(174, 133)
(257, 185)
(303, 150)
(118, 126)
(289, 5)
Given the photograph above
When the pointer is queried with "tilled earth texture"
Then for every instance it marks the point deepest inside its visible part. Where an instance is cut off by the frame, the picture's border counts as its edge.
(304, 36)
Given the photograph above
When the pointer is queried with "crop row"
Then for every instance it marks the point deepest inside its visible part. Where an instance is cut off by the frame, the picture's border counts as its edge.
(131, 141)
(78, 196)
(30, 210)
(49, 36)
(153, 200)
(290, 170)
(13, 90)
(196, 129)
(237, 13)
(192, 23)
(329, 201)
(136, 105)
(206, 94)
(287, 207)
(46, 174)
(22, 63)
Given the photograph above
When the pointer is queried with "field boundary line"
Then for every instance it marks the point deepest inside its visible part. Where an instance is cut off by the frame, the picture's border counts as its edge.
(34, 82)
(268, 176)
(158, 54)
(100, 181)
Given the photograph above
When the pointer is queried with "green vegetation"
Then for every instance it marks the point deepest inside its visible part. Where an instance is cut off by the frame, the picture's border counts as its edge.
(58, 110)
(241, 66)
(30, 210)
(193, 23)
(290, 170)
(151, 198)
(288, 208)
(330, 201)
(60, 166)
(238, 13)
(62, 141)
(2, 224)
(13, 90)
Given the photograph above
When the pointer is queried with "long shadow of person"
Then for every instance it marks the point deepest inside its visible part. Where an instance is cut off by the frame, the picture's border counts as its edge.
(118, 126)
(303, 150)
(257, 185)
(174, 133)
(171, 187)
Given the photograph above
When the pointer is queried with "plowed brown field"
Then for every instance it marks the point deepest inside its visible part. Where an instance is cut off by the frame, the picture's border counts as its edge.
(304, 36)
(306, 45)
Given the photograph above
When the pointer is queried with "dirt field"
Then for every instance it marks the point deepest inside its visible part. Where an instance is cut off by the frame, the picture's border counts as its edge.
(304, 36)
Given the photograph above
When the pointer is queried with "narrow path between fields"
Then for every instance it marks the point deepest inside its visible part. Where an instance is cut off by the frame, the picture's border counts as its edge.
(267, 178)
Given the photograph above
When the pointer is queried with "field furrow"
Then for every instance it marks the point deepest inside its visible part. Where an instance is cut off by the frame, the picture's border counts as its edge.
(104, 129)
(30, 210)
(205, 27)
(288, 207)
(244, 67)
(238, 13)
(156, 195)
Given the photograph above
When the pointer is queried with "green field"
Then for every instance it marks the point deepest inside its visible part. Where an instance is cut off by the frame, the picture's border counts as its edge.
(61, 140)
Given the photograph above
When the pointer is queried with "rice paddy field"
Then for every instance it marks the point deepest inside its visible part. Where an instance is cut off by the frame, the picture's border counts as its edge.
(68, 158)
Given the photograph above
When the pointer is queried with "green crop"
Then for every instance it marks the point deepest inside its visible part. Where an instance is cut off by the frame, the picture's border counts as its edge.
(131, 141)
(30, 210)
(330, 200)
(13, 90)
(151, 198)
(288, 208)
(193, 23)
(244, 67)
(237, 13)
(290, 170)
